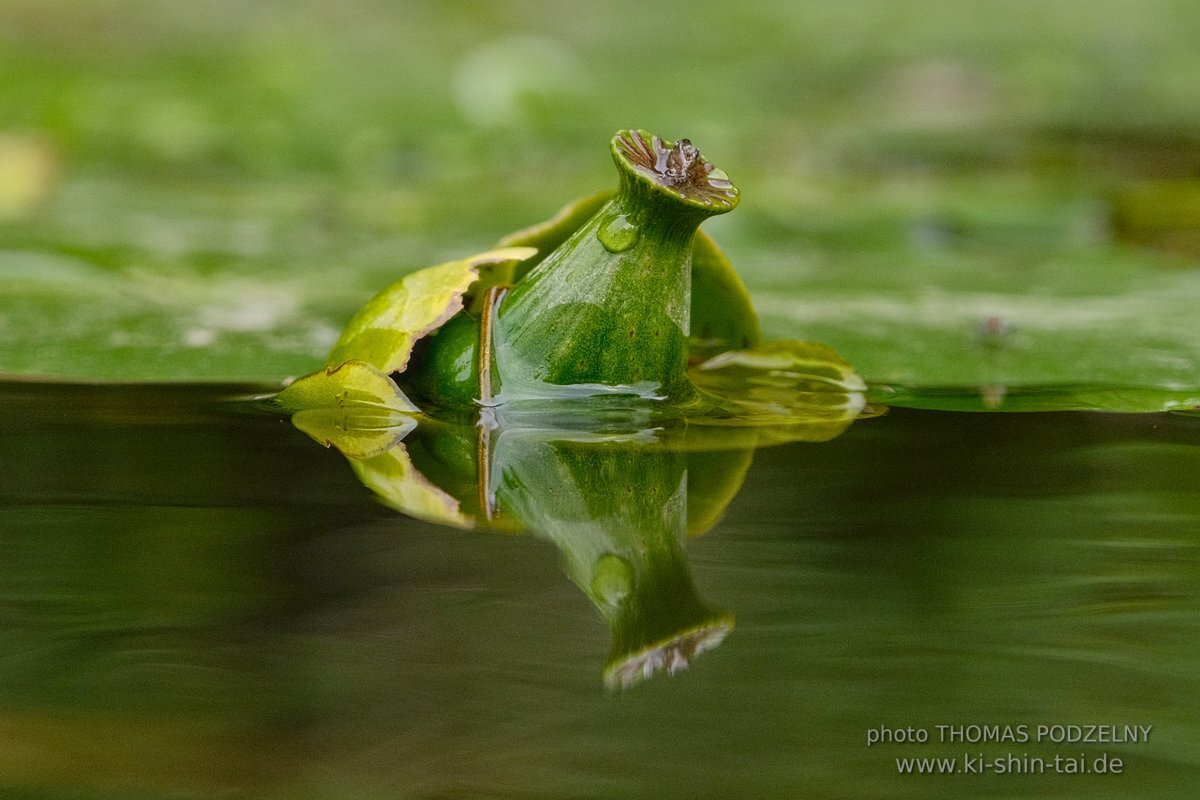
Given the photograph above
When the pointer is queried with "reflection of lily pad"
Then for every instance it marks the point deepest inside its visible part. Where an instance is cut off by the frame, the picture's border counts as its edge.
(714, 479)
(798, 391)
(392, 476)
(351, 434)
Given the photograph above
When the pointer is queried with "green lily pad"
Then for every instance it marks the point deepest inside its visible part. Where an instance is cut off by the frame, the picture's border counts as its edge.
(996, 397)
(723, 316)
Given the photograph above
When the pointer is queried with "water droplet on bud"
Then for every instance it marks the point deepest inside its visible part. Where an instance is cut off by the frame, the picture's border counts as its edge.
(617, 233)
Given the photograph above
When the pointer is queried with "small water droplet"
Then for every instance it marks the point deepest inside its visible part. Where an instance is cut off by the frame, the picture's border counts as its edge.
(612, 579)
(617, 233)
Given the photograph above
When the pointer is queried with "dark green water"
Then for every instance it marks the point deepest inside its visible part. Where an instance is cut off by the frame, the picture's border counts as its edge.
(198, 601)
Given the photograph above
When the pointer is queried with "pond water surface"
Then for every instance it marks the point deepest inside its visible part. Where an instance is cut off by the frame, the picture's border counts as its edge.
(196, 600)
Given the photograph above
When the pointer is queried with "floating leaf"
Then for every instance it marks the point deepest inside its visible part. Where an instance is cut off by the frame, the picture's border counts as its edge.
(997, 397)
(384, 331)
(353, 407)
(353, 385)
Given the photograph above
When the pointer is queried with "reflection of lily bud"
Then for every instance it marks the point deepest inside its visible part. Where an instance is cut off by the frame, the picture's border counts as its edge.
(617, 512)
(616, 496)
(618, 506)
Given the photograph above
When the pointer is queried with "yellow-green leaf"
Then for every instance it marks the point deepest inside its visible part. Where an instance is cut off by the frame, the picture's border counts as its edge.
(353, 407)
(351, 385)
(384, 331)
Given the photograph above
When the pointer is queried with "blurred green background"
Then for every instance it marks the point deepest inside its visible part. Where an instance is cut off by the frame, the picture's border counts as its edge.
(949, 193)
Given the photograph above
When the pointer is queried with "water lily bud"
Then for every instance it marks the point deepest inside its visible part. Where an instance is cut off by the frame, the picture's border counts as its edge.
(607, 312)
